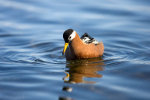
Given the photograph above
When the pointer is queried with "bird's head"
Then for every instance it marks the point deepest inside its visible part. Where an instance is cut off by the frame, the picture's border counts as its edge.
(68, 36)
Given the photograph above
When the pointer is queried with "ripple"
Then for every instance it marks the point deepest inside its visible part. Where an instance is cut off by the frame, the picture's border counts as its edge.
(111, 11)
(17, 5)
(31, 44)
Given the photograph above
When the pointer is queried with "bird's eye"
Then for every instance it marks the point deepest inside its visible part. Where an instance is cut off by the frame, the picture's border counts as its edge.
(69, 37)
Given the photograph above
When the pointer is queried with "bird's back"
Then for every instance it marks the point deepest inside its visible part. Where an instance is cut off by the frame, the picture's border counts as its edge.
(86, 38)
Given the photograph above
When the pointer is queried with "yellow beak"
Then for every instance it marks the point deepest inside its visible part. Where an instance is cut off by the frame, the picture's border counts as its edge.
(65, 47)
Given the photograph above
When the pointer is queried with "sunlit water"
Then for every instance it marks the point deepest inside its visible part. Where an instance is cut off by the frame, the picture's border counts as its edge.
(33, 68)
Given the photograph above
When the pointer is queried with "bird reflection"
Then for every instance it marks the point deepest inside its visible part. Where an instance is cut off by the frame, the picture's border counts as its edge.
(80, 69)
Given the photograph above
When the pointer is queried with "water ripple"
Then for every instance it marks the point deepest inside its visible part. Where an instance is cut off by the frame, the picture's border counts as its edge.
(31, 44)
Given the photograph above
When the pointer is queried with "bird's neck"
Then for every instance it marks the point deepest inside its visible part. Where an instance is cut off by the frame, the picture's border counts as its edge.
(76, 41)
(76, 45)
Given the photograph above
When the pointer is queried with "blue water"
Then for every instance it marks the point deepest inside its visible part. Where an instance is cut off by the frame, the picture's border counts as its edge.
(33, 68)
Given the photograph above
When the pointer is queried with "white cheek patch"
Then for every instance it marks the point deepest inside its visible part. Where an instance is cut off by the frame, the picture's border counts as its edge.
(72, 36)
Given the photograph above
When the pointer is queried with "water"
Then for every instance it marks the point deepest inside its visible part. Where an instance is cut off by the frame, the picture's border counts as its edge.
(31, 64)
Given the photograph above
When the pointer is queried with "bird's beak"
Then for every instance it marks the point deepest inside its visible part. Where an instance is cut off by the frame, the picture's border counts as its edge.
(65, 47)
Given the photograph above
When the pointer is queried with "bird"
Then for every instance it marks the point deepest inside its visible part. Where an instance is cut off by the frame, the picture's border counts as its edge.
(81, 48)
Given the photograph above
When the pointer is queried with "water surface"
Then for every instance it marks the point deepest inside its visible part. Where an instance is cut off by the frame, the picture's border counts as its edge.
(31, 43)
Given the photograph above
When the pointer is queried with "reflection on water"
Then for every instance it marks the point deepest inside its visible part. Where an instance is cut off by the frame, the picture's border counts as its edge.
(81, 69)
(77, 71)
(65, 98)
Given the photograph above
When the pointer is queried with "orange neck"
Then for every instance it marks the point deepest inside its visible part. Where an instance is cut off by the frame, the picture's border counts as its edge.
(76, 44)
(77, 39)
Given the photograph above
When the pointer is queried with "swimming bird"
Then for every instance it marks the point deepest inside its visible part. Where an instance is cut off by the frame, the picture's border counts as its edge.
(80, 48)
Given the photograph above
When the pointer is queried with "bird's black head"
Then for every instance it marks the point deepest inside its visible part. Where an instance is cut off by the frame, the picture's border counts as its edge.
(68, 35)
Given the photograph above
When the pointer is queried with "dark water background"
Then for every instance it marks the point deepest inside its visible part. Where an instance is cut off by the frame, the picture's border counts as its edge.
(31, 64)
